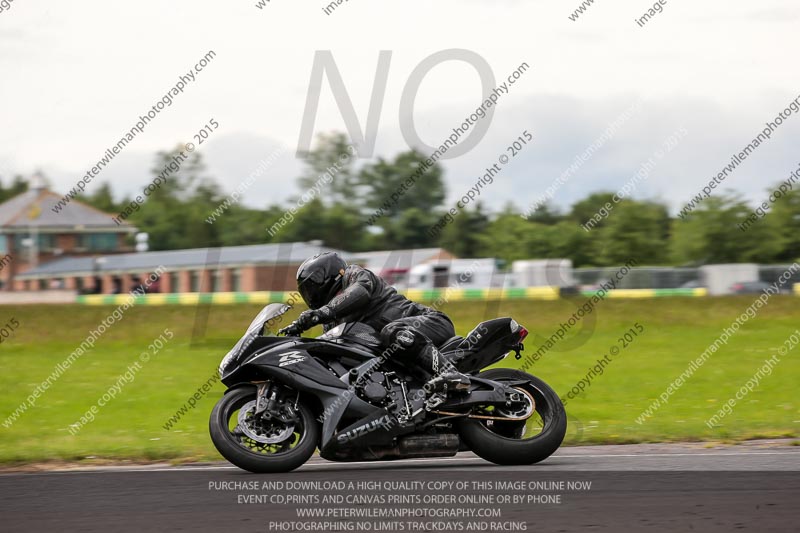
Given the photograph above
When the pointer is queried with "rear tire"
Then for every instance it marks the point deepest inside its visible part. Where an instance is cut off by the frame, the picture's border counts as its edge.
(232, 448)
(503, 450)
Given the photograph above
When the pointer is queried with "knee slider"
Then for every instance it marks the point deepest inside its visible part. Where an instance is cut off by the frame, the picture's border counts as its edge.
(397, 333)
(403, 337)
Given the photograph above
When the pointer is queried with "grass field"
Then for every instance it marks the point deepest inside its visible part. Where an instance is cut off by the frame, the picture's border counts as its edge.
(131, 425)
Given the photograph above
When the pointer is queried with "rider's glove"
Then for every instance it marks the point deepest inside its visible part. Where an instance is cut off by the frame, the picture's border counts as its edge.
(312, 317)
(292, 330)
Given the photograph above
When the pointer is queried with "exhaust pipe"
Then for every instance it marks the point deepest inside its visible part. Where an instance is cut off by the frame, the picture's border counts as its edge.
(438, 445)
(410, 447)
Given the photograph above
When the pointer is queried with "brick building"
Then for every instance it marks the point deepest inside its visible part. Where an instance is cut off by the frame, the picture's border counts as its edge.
(44, 245)
(35, 231)
(261, 267)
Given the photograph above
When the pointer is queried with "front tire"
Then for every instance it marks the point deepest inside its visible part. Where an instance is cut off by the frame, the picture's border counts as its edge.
(507, 443)
(251, 455)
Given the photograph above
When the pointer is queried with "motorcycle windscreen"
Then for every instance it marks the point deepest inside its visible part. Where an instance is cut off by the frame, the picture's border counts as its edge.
(269, 312)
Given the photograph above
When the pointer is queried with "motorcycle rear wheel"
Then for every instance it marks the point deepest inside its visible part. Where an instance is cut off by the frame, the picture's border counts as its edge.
(509, 443)
(292, 446)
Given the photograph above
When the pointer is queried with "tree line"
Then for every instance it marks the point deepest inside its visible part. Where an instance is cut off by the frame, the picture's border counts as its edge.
(174, 217)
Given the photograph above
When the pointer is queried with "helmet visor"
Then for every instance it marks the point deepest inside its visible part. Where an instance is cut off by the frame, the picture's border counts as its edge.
(313, 290)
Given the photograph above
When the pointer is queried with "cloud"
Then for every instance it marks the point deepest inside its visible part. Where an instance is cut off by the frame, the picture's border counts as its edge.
(83, 72)
(565, 127)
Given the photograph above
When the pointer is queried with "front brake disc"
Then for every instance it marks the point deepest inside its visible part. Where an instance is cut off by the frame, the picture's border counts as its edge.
(262, 431)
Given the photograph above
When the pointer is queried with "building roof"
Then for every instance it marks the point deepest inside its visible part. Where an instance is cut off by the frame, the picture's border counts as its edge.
(34, 208)
(380, 261)
(197, 258)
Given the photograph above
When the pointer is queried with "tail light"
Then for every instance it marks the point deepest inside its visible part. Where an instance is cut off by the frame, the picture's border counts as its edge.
(516, 327)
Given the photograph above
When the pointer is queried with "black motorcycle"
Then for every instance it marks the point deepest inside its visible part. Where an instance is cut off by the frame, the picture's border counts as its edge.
(342, 393)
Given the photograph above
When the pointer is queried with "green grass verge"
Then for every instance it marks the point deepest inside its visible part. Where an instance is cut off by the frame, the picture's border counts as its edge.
(132, 424)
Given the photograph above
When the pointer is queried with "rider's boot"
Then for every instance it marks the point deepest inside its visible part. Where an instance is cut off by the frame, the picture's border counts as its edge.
(445, 378)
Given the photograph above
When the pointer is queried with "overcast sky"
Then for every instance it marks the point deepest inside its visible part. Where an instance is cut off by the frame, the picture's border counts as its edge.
(77, 75)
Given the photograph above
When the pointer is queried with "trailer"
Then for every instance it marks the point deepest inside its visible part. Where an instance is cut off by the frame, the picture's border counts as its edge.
(543, 273)
(461, 273)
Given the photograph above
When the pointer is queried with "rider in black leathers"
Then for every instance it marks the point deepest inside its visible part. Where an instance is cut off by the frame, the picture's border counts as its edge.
(337, 293)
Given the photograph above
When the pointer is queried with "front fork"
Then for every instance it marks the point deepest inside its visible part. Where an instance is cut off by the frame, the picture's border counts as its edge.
(268, 405)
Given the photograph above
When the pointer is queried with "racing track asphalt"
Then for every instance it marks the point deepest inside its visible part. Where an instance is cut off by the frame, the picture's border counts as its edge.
(683, 487)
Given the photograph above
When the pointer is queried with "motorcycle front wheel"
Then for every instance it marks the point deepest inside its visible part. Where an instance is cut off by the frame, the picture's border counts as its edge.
(258, 444)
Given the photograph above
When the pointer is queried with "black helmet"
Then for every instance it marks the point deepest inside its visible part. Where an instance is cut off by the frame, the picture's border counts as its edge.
(319, 278)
